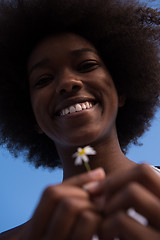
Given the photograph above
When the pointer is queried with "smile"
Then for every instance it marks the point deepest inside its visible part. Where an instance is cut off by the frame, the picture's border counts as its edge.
(76, 108)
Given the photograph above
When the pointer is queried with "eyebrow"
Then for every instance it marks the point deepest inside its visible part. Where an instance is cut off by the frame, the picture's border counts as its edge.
(75, 52)
(79, 51)
(38, 65)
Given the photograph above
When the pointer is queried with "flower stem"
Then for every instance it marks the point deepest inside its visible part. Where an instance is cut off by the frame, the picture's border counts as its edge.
(87, 166)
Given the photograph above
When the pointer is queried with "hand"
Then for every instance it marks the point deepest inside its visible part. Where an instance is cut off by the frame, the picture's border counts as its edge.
(137, 188)
(65, 211)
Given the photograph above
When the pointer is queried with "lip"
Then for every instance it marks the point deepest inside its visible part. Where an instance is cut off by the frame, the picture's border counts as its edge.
(72, 101)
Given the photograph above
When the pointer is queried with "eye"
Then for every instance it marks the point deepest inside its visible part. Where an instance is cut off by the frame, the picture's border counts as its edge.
(43, 81)
(88, 66)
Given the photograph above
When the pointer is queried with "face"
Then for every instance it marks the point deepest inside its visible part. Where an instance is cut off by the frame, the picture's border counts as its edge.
(72, 94)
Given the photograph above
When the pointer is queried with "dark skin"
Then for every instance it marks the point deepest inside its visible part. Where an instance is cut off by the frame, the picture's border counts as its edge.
(66, 70)
(72, 72)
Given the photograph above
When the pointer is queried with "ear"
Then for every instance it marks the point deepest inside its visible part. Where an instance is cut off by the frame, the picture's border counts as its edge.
(38, 129)
(121, 100)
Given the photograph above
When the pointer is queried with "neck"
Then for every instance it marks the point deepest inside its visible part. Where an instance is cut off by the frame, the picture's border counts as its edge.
(109, 156)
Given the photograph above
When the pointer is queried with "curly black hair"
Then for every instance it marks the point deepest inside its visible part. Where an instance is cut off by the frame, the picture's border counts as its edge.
(126, 35)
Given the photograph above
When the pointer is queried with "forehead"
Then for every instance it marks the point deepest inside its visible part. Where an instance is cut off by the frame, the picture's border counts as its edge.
(59, 44)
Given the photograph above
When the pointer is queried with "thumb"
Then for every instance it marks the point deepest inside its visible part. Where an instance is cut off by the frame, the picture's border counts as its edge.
(81, 179)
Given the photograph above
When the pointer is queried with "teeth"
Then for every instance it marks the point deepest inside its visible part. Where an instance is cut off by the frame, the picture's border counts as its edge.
(83, 106)
(87, 105)
(90, 105)
(66, 111)
(72, 109)
(63, 112)
(76, 108)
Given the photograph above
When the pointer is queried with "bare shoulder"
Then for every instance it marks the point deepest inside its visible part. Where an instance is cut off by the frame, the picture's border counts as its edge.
(13, 233)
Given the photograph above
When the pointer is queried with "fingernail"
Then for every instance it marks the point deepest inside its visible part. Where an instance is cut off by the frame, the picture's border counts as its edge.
(91, 187)
(97, 173)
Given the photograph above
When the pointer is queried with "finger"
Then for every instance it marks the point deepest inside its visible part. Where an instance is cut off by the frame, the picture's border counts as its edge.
(48, 203)
(81, 179)
(139, 198)
(65, 216)
(53, 194)
(122, 226)
(86, 226)
(143, 174)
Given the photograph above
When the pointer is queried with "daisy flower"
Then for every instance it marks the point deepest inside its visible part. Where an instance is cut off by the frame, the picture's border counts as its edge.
(81, 156)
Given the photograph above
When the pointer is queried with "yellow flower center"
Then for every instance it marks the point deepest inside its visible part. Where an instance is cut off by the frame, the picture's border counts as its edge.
(82, 152)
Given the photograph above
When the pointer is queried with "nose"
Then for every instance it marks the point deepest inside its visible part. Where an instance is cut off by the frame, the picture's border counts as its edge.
(68, 82)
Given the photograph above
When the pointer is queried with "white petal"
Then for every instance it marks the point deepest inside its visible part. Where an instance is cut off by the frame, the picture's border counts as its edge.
(89, 150)
(85, 158)
(79, 149)
(75, 155)
(78, 161)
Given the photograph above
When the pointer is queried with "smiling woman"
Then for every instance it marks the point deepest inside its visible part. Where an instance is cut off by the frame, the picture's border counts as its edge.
(64, 82)
(93, 79)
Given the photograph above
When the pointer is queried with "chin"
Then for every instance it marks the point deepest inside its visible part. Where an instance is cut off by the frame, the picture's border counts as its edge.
(84, 139)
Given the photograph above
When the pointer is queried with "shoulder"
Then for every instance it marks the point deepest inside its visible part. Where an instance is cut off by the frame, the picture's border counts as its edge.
(14, 233)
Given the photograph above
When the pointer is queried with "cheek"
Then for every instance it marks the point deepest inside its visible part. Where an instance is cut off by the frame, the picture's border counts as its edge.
(40, 98)
(101, 81)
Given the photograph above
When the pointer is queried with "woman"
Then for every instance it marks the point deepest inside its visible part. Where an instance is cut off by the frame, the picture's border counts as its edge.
(92, 79)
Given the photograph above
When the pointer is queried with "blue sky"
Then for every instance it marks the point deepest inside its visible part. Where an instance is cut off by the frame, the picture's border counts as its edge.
(21, 185)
